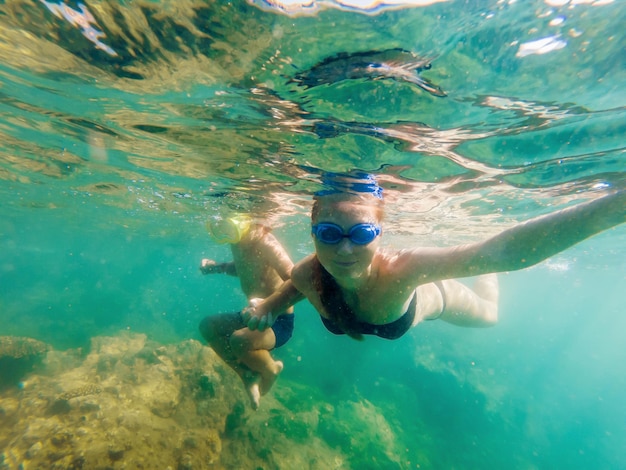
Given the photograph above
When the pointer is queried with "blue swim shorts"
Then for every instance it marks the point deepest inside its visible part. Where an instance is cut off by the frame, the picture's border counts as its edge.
(283, 328)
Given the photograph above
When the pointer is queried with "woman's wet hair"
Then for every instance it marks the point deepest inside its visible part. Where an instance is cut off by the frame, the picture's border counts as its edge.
(336, 198)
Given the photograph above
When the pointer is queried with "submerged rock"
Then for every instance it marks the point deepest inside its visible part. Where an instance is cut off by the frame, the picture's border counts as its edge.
(130, 403)
(18, 357)
(59, 406)
(17, 347)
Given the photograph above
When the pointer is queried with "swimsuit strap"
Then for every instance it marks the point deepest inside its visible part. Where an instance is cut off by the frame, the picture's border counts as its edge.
(442, 290)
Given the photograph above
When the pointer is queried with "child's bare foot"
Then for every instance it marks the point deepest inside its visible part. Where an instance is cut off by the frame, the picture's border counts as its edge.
(268, 379)
(255, 395)
(251, 384)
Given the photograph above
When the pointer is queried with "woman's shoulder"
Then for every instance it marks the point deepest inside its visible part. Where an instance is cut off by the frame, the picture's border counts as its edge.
(302, 270)
(398, 266)
(388, 256)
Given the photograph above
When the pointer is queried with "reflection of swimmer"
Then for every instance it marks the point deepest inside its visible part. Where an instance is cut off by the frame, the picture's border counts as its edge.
(83, 20)
(262, 264)
(360, 289)
(397, 64)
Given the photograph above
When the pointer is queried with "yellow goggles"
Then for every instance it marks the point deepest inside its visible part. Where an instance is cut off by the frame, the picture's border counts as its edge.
(229, 230)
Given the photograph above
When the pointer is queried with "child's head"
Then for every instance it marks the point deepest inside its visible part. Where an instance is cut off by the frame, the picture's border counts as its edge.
(229, 229)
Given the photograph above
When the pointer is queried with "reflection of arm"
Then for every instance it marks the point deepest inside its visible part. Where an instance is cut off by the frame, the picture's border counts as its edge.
(519, 247)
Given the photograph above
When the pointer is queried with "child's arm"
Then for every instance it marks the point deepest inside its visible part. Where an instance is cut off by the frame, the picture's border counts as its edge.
(276, 255)
(208, 266)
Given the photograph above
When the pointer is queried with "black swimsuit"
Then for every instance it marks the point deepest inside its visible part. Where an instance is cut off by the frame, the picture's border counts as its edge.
(392, 330)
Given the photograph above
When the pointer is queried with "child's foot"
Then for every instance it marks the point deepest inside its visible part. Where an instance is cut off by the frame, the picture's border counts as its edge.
(255, 395)
(267, 380)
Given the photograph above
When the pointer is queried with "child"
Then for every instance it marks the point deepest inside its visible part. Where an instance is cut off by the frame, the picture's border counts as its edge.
(262, 265)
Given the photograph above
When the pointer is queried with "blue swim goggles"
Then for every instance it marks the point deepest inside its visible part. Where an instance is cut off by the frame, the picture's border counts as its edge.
(359, 234)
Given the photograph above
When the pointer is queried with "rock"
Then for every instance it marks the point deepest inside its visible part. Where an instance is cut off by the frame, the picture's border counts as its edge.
(33, 450)
(59, 407)
(17, 347)
(117, 407)
(185, 462)
(235, 420)
(116, 454)
(18, 357)
(207, 385)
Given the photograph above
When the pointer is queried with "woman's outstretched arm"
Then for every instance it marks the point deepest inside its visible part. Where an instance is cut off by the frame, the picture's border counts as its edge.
(519, 247)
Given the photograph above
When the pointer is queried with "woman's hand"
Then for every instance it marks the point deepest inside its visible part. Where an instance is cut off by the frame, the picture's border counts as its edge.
(254, 316)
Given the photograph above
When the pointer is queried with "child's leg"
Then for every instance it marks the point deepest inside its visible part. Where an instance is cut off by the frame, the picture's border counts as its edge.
(252, 348)
(245, 351)
(217, 330)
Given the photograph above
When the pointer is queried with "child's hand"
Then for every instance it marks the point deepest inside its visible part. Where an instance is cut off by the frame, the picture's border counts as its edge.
(208, 266)
(254, 317)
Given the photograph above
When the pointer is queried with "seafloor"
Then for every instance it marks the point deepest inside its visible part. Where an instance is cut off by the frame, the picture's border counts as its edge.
(132, 403)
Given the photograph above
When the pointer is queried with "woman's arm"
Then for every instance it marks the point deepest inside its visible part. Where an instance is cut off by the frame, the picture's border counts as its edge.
(516, 248)
(262, 313)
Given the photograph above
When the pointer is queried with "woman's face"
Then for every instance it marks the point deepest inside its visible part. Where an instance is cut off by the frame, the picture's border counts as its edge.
(346, 260)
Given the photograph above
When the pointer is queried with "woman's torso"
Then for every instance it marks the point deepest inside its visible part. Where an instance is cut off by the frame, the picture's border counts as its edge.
(380, 298)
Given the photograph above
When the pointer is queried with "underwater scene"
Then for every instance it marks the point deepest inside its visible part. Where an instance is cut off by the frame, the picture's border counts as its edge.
(141, 141)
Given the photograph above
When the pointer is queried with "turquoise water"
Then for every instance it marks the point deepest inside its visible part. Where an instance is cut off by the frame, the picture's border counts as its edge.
(121, 133)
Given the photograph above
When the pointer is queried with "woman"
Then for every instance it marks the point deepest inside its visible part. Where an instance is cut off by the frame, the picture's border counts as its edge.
(359, 288)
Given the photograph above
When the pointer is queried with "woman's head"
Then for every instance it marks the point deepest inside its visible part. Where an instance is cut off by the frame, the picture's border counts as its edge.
(355, 189)
(346, 230)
